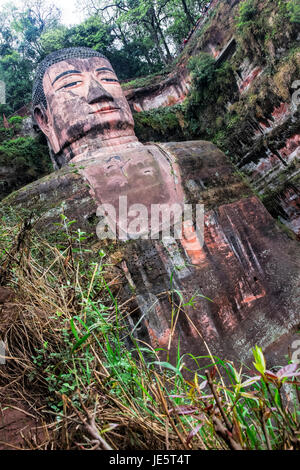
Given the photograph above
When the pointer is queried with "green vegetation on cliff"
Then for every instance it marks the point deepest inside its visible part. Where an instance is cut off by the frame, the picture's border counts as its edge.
(160, 124)
(26, 158)
(211, 91)
(214, 109)
(27, 155)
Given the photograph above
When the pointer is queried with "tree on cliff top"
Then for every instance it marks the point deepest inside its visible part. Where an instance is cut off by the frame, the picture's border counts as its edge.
(20, 31)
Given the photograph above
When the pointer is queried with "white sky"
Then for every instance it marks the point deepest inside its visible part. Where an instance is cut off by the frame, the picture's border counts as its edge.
(70, 14)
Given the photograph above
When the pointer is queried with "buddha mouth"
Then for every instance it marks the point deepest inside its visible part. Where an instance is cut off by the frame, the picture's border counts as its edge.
(104, 109)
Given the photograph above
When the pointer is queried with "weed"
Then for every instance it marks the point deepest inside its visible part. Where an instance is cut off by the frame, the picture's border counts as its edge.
(76, 359)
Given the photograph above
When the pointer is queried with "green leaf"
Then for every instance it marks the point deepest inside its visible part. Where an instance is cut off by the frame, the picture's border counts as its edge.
(80, 342)
(74, 329)
(277, 398)
(260, 363)
(167, 365)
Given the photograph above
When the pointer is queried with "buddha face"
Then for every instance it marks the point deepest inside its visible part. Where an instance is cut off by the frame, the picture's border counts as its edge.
(84, 99)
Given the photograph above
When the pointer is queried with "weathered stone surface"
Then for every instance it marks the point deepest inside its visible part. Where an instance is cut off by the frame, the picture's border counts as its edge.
(265, 147)
(240, 268)
(167, 92)
(289, 205)
(7, 180)
(79, 104)
(44, 198)
(247, 266)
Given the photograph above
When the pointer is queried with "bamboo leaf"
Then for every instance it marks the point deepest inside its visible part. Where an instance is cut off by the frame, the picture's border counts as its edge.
(74, 329)
(193, 433)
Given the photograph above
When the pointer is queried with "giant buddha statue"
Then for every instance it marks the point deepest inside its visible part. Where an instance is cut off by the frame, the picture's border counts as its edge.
(241, 260)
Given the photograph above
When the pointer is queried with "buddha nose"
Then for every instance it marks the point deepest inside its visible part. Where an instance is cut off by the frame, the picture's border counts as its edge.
(96, 93)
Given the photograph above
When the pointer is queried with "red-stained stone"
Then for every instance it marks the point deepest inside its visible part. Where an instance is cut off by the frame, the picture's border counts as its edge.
(239, 268)
(137, 108)
(249, 79)
(291, 144)
(192, 245)
(281, 112)
(246, 266)
(265, 164)
(289, 201)
(170, 91)
(272, 171)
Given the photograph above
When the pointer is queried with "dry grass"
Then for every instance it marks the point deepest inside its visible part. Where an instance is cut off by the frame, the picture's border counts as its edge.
(67, 360)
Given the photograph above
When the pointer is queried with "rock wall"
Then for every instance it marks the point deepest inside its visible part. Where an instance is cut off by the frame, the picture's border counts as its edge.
(170, 91)
(264, 141)
(7, 180)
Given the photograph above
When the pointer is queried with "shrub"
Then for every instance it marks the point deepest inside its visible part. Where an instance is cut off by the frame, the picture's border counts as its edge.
(15, 125)
(162, 124)
(202, 68)
(247, 13)
(293, 8)
(29, 156)
(15, 120)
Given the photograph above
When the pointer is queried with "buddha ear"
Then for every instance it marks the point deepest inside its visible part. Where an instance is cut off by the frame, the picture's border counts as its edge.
(41, 118)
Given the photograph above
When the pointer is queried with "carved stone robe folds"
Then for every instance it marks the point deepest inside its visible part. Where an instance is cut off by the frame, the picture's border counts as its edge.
(247, 266)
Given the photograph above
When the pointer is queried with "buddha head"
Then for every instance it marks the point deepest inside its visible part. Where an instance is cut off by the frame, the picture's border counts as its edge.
(78, 103)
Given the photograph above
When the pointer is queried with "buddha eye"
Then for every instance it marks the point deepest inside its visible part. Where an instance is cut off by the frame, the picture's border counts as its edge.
(109, 80)
(69, 85)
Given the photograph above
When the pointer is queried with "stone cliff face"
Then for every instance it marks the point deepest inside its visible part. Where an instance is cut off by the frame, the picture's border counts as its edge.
(7, 180)
(167, 92)
(258, 123)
